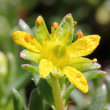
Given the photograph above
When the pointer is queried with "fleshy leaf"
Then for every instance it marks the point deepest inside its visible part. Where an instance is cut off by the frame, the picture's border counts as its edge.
(30, 68)
(84, 46)
(65, 30)
(26, 40)
(18, 104)
(76, 78)
(24, 27)
(41, 32)
(99, 99)
(35, 101)
(31, 56)
(93, 74)
(68, 91)
(46, 91)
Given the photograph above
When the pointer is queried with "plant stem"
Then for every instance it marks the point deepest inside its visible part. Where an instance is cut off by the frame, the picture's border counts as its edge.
(57, 94)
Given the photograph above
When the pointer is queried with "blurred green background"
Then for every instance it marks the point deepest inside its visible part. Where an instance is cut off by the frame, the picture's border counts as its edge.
(93, 17)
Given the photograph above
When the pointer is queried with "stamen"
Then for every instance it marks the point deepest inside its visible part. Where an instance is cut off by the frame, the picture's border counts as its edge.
(65, 38)
(55, 25)
(39, 20)
(94, 60)
(75, 23)
(80, 34)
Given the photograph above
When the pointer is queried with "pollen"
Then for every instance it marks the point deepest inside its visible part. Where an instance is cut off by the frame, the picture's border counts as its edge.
(79, 75)
(39, 20)
(94, 60)
(80, 34)
(55, 25)
(75, 23)
(27, 37)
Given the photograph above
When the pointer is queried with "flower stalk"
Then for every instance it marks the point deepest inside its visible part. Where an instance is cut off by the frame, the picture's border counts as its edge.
(57, 93)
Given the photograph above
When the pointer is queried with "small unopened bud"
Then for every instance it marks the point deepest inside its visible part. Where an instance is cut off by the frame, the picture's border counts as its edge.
(39, 20)
(80, 34)
(55, 25)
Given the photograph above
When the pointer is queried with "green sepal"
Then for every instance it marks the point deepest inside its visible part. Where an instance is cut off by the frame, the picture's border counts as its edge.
(30, 68)
(35, 101)
(85, 66)
(31, 56)
(41, 32)
(99, 99)
(93, 74)
(17, 100)
(65, 30)
(24, 27)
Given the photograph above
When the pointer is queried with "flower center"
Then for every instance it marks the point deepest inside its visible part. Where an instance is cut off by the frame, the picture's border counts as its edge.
(55, 52)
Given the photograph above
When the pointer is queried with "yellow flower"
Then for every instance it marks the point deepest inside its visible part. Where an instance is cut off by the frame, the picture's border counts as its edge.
(56, 54)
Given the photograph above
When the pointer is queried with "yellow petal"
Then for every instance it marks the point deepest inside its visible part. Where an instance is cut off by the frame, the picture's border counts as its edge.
(45, 67)
(84, 46)
(76, 78)
(26, 40)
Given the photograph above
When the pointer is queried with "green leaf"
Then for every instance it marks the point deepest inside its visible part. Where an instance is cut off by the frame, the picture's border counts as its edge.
(17, 100)
(66, 30)
(24, 27)
(46, 91)
(93, 74)
(99, 99)
(21, 81)
(107, 81)
(31, 56)
(41, 32)
(36, 78)
(35, 101)
(30, 68)
(44, 88)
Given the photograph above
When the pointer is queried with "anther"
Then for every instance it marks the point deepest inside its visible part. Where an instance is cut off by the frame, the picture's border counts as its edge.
(94, 60)
(80, 34)
(55, 25)
(39, 20)
(75, 23)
